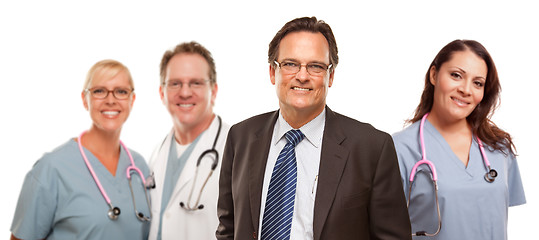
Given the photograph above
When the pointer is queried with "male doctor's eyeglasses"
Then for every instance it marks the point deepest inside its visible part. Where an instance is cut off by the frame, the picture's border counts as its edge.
(314, 69)
(193, 84)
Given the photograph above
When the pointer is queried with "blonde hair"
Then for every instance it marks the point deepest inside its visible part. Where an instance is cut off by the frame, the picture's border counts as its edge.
(109, 67)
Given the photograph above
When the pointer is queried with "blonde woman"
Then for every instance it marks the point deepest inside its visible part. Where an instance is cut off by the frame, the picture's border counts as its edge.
(88, 187)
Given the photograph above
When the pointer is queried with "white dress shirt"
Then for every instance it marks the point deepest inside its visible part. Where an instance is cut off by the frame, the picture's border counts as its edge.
(308, 162)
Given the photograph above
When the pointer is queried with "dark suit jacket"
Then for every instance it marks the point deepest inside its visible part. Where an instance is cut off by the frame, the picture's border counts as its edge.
(359, 194)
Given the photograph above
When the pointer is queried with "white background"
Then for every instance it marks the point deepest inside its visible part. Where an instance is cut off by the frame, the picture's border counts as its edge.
(385, 48)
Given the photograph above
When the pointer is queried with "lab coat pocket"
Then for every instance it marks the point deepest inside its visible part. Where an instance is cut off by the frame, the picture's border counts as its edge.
(356, 200)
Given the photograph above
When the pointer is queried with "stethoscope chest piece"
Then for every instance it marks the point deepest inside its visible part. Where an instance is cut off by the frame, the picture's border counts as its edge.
(491, 175)
(113, 213)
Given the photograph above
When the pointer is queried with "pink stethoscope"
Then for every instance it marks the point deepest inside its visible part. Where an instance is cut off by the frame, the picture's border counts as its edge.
(490, 176)
(114, 212)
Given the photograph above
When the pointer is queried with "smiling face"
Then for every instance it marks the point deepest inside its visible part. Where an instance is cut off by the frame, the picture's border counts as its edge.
(190, 106)
(108, 114)
(301, 92)
(458, 85)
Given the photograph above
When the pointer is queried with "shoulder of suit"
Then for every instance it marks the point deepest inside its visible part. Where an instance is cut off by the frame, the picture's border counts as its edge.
(254, 121)
(353, 126)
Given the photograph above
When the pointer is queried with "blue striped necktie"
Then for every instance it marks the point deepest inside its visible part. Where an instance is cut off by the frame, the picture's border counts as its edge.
(277, 220)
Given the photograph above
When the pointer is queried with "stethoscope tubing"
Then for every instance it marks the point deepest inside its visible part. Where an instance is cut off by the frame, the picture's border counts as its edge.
(489, 177)
(485, 158)
(187, 205)
(92, 172)
(114, 212)
(132, 166)
(424, 154)
(434, 174)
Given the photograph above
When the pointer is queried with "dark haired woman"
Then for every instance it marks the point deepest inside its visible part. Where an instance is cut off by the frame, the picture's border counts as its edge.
(453, 141)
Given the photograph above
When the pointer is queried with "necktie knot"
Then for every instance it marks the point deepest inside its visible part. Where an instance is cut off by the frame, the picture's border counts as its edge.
(294, 137)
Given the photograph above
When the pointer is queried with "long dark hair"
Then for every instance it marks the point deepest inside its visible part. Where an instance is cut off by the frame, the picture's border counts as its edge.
(479, 119)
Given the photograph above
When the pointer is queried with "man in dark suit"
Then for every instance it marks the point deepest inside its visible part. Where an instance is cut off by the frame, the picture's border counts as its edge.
(341, 179)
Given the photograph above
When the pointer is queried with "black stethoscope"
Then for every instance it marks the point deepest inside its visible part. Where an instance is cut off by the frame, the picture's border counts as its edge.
(208, 152)
(187, 206)
(490, 176)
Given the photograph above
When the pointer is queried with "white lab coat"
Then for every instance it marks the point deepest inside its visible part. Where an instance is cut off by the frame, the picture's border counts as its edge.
(179, 223)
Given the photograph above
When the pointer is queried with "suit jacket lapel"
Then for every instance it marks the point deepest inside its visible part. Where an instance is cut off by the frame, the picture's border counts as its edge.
(332, 161)
(257, 164)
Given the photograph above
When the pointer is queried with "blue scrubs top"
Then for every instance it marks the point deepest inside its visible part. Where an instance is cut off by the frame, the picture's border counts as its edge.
(471, 208)
(60, 199)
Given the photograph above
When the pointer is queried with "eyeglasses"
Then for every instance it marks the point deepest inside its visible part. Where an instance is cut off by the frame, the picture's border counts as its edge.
(314, 69)
(102, 93)
(193, 84)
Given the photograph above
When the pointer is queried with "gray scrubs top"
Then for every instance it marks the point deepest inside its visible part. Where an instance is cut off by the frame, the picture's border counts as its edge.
(471, 208)
(60, 200)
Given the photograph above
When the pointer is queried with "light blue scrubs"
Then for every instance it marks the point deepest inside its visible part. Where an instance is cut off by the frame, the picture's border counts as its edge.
(60, 200)
(471, 208)
(175, 166)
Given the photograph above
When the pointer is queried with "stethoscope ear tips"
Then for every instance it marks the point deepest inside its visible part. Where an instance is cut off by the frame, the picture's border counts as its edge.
(491, 175)
(200, 207)
(143, 218)
(113, 213)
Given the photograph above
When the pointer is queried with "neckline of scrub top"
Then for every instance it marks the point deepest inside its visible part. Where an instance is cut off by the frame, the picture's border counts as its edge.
(100, 169)
(447, 149)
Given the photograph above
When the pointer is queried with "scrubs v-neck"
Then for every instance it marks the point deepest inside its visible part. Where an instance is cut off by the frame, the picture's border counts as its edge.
(60, 199)
(471, 208)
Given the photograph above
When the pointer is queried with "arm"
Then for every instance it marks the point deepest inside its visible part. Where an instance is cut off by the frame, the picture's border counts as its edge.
(514, 183)
(36, 206)
(387, 208)
(225, 204)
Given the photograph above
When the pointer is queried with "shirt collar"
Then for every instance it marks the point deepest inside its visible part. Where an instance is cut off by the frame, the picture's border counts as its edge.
(313, 130)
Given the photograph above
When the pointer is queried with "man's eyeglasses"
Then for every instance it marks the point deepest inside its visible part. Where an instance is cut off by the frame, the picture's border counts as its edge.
(102, 92)
(193, 84)
(314, 69)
